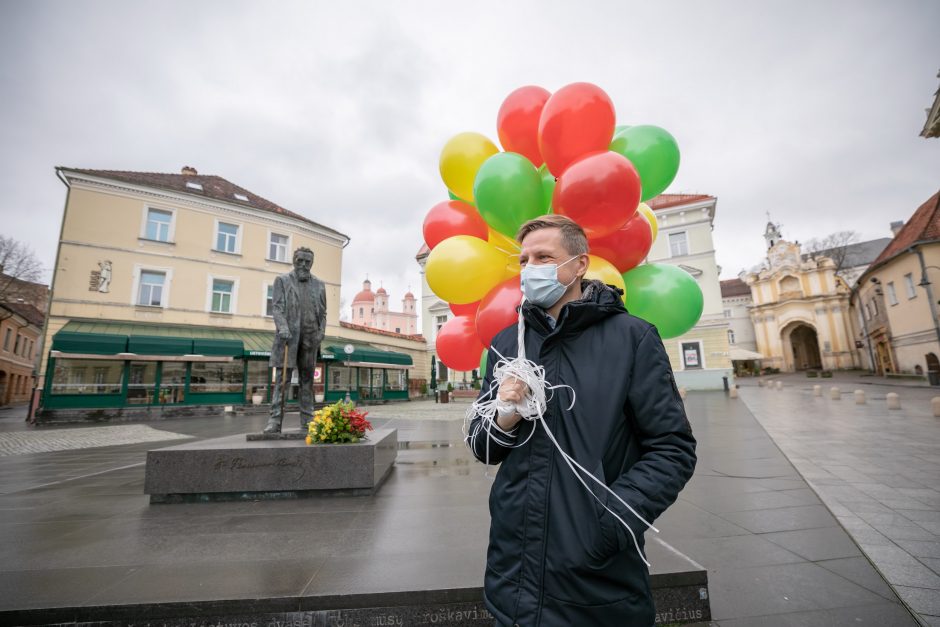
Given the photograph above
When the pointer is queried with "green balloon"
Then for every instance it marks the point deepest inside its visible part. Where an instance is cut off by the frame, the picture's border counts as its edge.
(483, 363)
(508, 192)
(665, 296)
(653, 152)
(548, 187)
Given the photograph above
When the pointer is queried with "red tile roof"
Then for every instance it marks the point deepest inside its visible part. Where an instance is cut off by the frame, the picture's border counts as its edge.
(924, 225)
(664, 201)
(27, 312)
(213, 187)
(734, 287)
(359, 327)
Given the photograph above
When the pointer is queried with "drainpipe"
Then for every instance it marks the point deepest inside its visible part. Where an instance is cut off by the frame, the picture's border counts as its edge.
(925, 283)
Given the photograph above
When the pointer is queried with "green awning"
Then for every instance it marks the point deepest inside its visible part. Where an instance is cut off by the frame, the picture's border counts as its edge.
(216, 346)
(154, 345)
(365, 353)
(112, 337)
(89, 343)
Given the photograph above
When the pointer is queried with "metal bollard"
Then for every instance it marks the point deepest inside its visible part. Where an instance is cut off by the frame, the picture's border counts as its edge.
(817, 390)
(935, 404)
(733, 393)
(683, 392)
(894, 401)
(859, 397)
(779, 385)
(835, 394)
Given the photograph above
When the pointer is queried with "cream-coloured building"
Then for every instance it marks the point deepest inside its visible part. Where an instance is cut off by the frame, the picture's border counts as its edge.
(161, 296)
(898, 318)
(800, 309)
(701, 357)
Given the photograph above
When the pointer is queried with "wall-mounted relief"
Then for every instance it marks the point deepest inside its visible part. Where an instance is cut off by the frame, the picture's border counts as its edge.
(100, 279)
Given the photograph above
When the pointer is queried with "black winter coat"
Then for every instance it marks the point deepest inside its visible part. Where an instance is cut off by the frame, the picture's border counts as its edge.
(556, 557)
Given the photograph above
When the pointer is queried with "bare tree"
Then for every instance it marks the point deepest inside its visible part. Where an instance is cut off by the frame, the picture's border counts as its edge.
(18, 266)
(835, 246)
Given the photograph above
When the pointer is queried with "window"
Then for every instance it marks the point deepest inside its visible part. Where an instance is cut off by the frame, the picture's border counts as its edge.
(222, 295)
(395, 380)
(909, 284)
(32, 345)
(172, 382)
(158, 225)
(269, 301)
(892, 295)
(240, 197)
(219, 377)
(192, 185)
(730, 336)
(361, 313)
(226, 237)
(150, 293)
(874, 306)
(397, 329)
(6, 340)
(141, 382)
(16, 344)
(439, 321)
(727, 313)
(340, 379)
(678, 244)
(277, 247)
(87, 377)
(259, 378)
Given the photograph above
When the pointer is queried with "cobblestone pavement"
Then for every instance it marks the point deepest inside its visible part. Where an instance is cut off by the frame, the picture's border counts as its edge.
(420, 410)
(24, 442)
(877, 470)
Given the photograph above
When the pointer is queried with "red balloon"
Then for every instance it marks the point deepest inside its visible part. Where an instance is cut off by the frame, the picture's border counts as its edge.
(453, 217)
(458, 345)
(518, 122)
(470, 309)
(600, 192)
(626, 247)
(498, 309)
(578, 119)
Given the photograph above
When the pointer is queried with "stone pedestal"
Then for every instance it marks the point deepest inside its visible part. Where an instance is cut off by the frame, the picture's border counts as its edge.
(232, 468)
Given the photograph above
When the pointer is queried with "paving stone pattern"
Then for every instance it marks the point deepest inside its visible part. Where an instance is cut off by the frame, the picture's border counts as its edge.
(877, 471)
(40, 441)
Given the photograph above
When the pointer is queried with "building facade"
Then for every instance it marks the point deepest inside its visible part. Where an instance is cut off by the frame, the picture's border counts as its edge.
(370, 309)
(895, 300)
(20, 331)
(701, 357)
(800, 309)
(161, 298)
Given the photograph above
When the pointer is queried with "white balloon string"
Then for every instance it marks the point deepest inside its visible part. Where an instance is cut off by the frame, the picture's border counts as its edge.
(532, 408)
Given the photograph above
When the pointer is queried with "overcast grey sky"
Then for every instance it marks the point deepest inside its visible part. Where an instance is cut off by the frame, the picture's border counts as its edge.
(808, 110)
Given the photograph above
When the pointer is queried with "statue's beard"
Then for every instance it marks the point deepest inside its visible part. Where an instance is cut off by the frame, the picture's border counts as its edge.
(303, 275)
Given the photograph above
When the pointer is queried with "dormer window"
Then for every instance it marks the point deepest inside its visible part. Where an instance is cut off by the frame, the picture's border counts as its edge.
(241, 197)
(196, 186)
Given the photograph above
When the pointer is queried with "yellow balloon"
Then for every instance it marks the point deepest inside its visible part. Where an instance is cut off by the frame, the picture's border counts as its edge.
(510, 248)
(463, 268)
(461, 157)
(604, 271)
(644, 209)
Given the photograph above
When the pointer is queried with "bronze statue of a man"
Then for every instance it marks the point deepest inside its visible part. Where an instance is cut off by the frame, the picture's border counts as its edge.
(299, 310)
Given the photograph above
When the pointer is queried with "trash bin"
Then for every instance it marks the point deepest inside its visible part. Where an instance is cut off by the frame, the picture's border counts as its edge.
(445, 396)
(933, 376)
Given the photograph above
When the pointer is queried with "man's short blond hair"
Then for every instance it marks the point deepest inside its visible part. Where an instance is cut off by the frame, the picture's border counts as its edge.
(572, 235)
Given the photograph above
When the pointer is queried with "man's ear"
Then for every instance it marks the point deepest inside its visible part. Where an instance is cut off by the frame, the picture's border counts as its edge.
(584, 263)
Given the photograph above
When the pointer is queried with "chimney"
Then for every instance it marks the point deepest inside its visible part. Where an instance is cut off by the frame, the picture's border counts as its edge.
(188, 169)
(896, 226)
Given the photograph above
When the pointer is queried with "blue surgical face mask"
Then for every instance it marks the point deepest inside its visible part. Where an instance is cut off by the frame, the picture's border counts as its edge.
(541, 286)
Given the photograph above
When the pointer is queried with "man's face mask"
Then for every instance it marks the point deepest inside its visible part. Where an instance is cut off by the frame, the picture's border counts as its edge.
(541, 286)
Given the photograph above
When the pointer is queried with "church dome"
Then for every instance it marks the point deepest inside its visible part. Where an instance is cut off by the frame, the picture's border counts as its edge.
(366, 295)
(409, 296)
(381, 292)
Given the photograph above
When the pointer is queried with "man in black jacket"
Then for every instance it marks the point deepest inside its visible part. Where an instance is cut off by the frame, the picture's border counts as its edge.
(556, 555)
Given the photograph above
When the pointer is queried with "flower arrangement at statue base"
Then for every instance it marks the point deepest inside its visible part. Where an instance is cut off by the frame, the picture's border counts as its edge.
(338, 423)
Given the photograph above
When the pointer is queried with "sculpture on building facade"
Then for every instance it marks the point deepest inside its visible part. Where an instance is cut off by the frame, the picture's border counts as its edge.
(299, 311)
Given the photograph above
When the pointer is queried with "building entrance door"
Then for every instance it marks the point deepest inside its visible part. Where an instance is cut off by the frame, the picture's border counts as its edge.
(805, 346)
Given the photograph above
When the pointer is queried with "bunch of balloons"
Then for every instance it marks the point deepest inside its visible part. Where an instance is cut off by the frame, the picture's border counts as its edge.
(563, 153)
